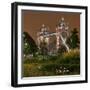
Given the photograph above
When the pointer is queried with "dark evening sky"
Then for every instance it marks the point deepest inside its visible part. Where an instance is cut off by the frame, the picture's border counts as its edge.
(33, 20)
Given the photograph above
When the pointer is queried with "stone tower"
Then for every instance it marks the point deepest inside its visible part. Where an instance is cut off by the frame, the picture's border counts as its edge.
(61, 34)
(42, 36)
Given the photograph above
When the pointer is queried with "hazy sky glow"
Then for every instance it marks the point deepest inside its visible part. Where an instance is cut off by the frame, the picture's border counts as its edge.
(33, 20)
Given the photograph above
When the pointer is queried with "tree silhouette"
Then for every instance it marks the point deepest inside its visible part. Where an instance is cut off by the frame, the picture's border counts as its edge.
(30, 46)
(73, 40)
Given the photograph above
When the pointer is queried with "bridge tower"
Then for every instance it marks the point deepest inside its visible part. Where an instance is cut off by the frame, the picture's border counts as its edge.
(42, 36)
(61, 34)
